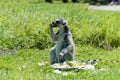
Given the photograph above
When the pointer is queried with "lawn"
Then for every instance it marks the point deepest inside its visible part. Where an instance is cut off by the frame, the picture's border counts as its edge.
(24, 28)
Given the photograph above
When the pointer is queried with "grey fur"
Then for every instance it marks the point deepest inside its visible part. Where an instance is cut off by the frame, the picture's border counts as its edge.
(64, 48)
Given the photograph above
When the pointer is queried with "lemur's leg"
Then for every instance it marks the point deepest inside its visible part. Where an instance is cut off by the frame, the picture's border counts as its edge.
(67, 57)
(52, 56)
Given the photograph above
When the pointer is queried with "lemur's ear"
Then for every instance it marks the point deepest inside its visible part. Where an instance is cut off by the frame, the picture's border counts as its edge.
(64, 22)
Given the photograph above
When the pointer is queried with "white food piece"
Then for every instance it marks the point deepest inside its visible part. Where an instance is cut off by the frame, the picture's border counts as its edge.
(57, 71)
(88, 67)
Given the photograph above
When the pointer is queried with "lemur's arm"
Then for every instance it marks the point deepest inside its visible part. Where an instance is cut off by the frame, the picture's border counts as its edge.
(52, 34)
(70, 45)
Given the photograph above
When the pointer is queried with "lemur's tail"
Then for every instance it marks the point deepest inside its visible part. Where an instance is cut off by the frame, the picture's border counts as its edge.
(94, 62)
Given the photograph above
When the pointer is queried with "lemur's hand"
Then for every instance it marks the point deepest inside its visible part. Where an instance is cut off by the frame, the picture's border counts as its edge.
(61, 55)
(51, 25)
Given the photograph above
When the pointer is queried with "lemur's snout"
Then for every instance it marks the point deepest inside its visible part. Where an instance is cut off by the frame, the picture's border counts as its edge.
(54, 24)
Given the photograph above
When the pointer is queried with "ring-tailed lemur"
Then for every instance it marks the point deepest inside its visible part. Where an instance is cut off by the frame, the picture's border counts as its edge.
(64, 48)
(94, 62)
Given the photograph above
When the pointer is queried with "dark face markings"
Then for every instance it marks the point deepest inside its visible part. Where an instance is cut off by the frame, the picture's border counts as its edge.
(54, 25)
(57, 22)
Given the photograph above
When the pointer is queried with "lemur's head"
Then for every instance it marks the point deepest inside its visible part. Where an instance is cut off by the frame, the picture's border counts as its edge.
(60, 22)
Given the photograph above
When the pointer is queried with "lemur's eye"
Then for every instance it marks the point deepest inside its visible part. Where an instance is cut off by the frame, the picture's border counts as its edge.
(57, 22)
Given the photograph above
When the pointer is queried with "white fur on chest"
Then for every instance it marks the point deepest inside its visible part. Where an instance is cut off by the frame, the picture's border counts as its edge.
(60, 42)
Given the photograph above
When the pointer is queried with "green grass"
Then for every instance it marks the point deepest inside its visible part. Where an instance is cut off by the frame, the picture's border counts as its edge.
(24, 65)
(24, 25)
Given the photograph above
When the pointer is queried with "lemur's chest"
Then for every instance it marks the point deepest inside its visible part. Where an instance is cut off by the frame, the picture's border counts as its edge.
(60, 43)
(61, 38)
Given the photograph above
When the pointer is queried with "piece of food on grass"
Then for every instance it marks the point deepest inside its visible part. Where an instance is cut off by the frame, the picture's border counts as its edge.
(43, 63)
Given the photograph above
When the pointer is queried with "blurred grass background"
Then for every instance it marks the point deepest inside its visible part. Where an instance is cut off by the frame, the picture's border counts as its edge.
(24, 26)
